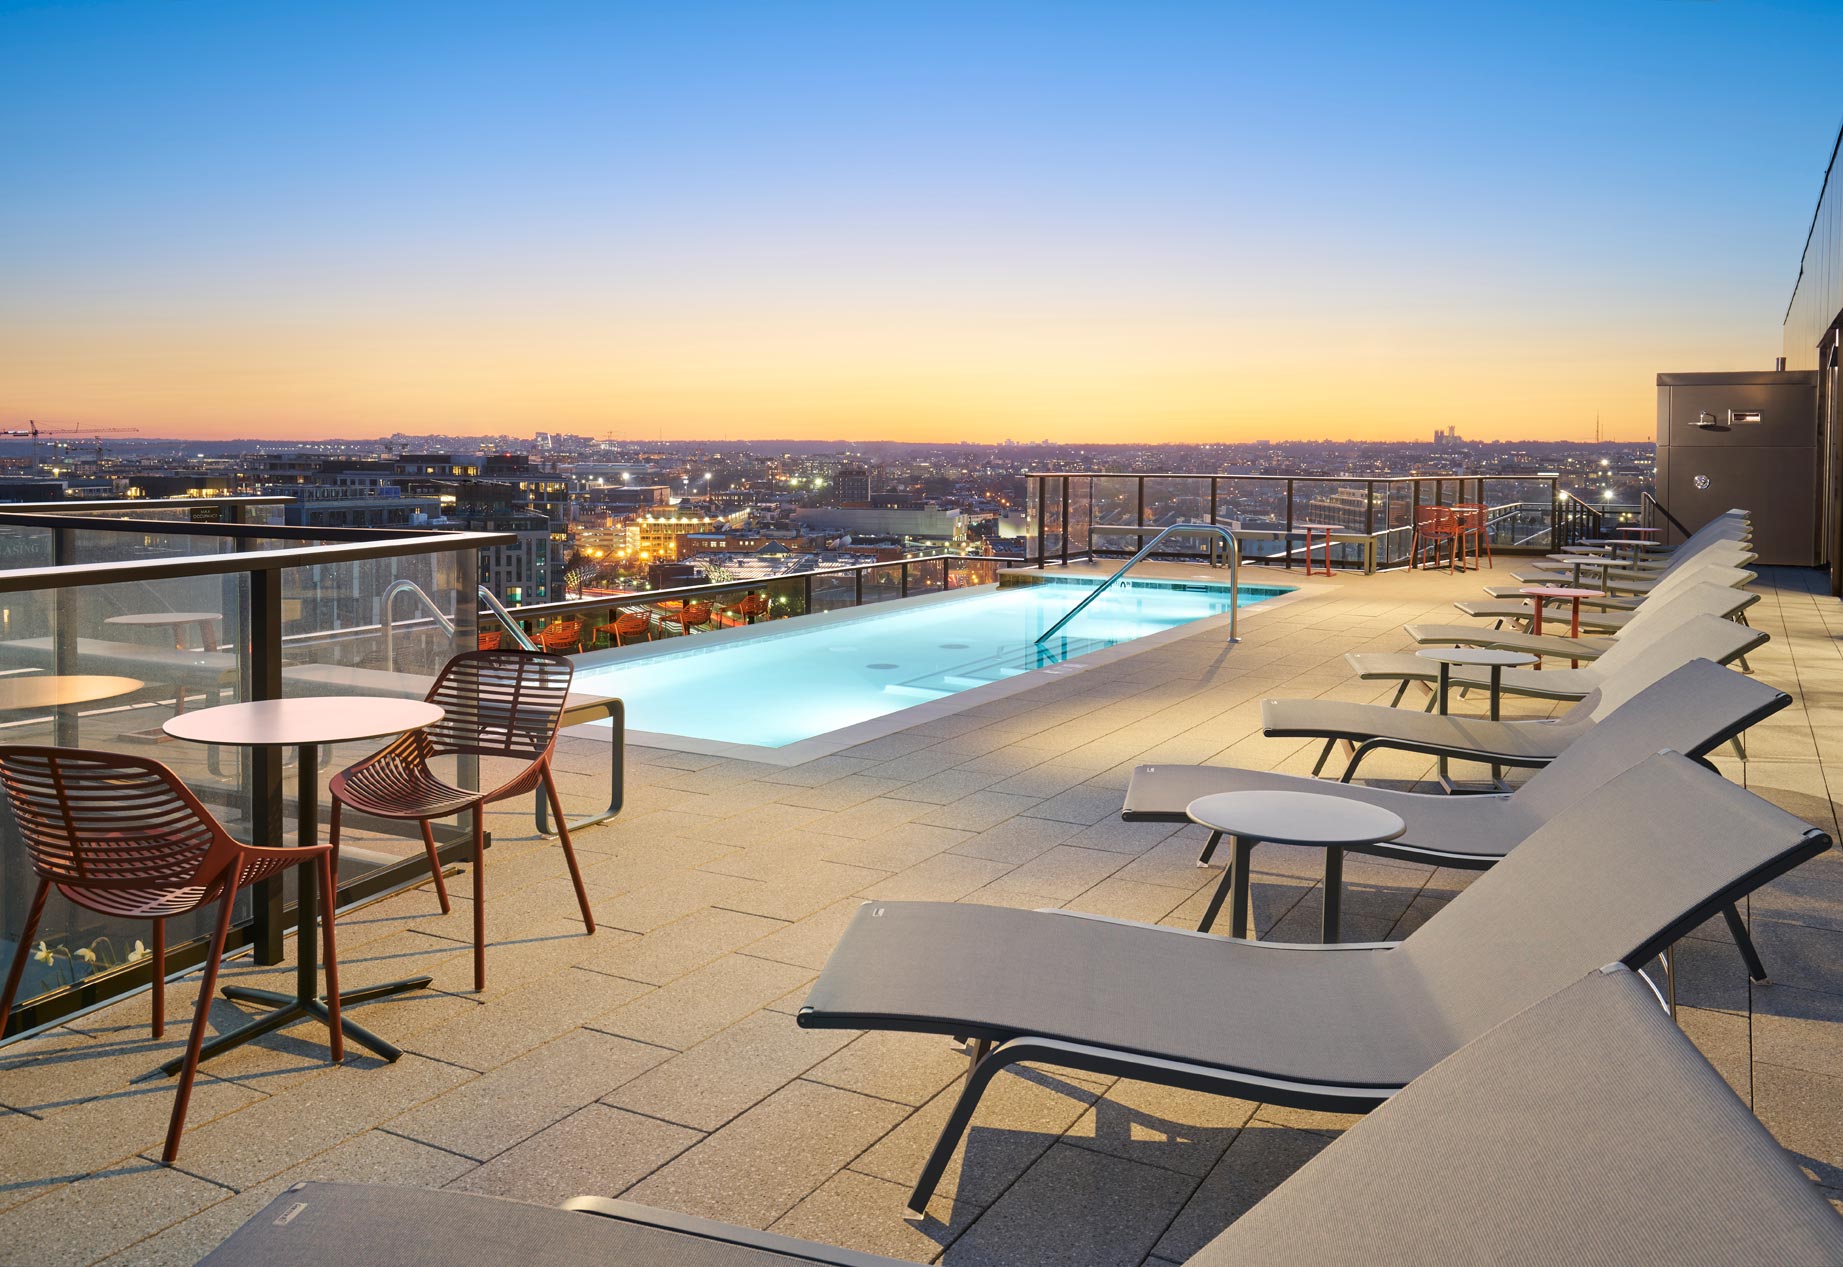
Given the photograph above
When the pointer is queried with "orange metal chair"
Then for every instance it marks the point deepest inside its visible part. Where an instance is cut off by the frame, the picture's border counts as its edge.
(560, 635)
(752, 607)
(497, 704)
(122, 836)
(489, 639)
(629, 625)
(687, 616)
(1472, 525)
(1434, 526)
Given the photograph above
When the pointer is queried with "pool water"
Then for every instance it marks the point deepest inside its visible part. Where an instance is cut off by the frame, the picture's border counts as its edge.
(776, 688)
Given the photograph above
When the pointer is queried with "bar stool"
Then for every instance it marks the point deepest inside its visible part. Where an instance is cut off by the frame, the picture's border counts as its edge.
(122, 836)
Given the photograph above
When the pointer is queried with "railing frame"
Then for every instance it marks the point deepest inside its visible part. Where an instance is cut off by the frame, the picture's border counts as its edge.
(261, 661)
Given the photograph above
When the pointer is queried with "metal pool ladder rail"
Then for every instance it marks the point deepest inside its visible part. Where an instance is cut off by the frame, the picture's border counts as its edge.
(1146, 549)
(442, 620)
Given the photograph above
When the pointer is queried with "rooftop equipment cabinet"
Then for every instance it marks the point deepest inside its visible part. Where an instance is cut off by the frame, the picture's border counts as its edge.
(1746, 439)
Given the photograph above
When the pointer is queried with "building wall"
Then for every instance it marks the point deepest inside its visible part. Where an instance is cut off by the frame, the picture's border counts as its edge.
(1817, 301)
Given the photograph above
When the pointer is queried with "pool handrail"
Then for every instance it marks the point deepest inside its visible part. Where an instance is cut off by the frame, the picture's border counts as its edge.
(442, 619)
(1146, 549)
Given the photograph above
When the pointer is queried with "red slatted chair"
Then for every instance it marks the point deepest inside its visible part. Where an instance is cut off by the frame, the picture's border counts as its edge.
(560, 635)
(1433, 527)
(497, 704)
(489, 639)
(122, 836)
(1474, 525)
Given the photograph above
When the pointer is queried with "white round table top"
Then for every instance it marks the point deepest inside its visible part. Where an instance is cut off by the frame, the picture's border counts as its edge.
(1477, 655)
(163, 618)
(1560, 591)
(1296, 818)
(312, 719)
(48, 690)
(1635, 530)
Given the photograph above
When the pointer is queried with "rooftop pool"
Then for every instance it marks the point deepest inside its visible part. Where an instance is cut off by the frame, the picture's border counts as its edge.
(775, 685)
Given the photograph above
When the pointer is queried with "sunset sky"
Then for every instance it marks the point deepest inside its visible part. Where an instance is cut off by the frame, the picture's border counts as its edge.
(881, 220)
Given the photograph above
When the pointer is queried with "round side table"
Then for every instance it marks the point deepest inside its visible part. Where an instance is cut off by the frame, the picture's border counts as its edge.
(1333, 823)
(1545, 594)
(304, 722)
(52, 690)
(1492, 658)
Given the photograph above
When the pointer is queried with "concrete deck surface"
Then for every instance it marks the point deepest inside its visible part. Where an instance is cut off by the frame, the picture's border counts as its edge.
(659, 1060)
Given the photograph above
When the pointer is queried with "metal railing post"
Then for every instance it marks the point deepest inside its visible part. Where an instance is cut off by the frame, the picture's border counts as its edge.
(1369, 527)
(902, 580)
(1065, 521)
(262, 652)
(65, 615)
(1286, 542)
(1042, 560)
(857, 586)
(808, 590)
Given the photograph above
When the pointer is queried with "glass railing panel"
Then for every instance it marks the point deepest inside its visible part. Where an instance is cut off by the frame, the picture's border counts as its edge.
(834, 591)
(26, 547)
(1176, 499)
(1113, 502)
(161, 669)
(1520, 513)
(1342, 506)
(928, 576)
(882, 583)
(964, 572)
(1081, 515)
(1054, 488)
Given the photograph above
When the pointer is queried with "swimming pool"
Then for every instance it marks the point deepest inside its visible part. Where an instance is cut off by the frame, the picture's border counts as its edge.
(776, 685)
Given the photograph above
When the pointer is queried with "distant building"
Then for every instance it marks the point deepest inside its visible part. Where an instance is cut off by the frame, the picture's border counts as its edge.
(853, 486)
(657, 535)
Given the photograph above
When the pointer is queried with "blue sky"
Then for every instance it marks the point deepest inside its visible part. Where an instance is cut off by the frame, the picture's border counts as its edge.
(905, 220)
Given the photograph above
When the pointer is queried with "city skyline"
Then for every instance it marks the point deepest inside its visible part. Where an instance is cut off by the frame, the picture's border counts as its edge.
(731, 223)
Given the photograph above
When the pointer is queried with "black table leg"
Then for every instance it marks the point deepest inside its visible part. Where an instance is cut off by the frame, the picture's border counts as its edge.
(1334, 893)
(305, 1002)
(1209, 850)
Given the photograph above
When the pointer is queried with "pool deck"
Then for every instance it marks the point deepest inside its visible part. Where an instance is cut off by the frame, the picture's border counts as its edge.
(659, 1059)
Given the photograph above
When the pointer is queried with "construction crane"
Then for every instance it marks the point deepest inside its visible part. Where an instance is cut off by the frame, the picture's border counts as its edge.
(35, 431)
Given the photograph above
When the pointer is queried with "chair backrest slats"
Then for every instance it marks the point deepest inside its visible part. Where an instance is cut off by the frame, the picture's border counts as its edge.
(499, 704)
(101, 820)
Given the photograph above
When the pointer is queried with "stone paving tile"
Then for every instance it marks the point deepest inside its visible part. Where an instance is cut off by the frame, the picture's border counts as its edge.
(595, 1151)
(1185, 1131)
(276, 1132)
(1799, 1029)
(1800, 1109)
(1076, 1205)
(896, 849)
(808, 942)
(771, 1158)
(483, 1118)
(81, 1222)
(1023, 1111)
(979, 811)
(700, 1003)
(672, 950)
(374, 1157)
(728, 1072)
(943, 878)
(804, 891)
(1260, 1159)
(906, 1068)
(944, 787)
(518, 1020)
(860, 1212)
(41, 1155)
(1082, 804)
(1018, 840)
(645, 909)
(1063, 872)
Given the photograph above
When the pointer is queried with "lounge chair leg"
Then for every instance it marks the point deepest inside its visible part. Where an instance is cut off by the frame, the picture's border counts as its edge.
(1740, 749)
(1737, 929)
(1215, 838)
(1234, 886)
(978, 1076)
(1334, 895)
(1323, 757)
(1399, 692)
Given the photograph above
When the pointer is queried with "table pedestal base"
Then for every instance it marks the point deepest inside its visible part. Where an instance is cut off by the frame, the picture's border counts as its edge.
(290, 1008)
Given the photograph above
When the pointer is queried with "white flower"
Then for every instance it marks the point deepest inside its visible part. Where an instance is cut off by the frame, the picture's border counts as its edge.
(139, 952)
(43, 954)
(86, 954)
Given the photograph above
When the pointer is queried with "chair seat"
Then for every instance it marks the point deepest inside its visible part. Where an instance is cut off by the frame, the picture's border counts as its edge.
(393, 790)
(148, 903)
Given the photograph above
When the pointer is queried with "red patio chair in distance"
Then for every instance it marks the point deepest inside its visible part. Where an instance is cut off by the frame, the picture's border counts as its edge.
(1474, 525)
(1434, 526)
(123, 836)
(497, 704)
